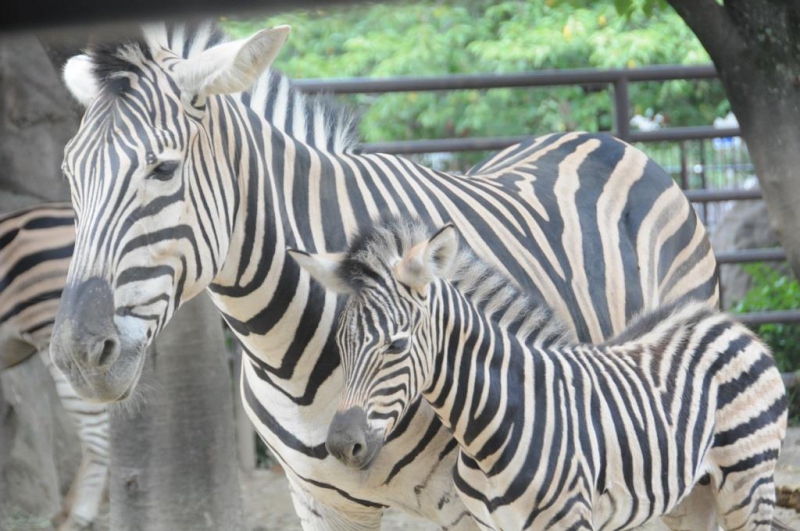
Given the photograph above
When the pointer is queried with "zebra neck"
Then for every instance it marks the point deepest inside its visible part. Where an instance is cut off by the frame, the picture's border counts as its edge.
(284, 321)
(477, 355)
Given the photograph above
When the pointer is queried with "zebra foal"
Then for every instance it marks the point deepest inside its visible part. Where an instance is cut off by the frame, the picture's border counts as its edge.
(551, 436)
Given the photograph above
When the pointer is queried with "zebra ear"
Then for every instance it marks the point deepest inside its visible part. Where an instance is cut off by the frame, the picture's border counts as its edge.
(232, 66)
(80, 79)
(430, 259)
(324, 268)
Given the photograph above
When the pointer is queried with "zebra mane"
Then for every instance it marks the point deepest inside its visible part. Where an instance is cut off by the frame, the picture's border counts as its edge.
(684, 313)
(316, 120)
(375, 250)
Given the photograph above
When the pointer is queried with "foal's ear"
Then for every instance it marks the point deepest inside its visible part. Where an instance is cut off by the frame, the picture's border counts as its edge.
(324, 268)
(430, 259)
(232, 66)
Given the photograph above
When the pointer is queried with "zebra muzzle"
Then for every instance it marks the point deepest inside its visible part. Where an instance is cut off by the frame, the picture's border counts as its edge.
(86, 345)
(351, 441)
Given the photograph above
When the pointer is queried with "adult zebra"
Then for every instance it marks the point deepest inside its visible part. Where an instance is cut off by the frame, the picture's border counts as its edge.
(551, 435)
(36, 245)
(181, 182)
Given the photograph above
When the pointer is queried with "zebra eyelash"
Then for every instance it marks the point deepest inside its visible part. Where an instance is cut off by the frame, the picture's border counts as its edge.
(164, 171)
(397, 346)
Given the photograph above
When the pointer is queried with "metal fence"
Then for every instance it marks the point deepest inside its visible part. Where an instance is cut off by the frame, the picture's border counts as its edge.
(616, 81)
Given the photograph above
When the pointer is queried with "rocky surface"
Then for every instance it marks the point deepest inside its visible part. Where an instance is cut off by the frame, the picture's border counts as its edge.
(37, 119)
(745, 226)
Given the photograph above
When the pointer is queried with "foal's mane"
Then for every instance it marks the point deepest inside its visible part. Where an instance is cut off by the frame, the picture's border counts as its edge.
(373, 252)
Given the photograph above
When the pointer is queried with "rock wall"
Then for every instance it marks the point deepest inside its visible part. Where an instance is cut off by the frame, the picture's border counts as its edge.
(745, 226)
(39, 451)
(37, 118)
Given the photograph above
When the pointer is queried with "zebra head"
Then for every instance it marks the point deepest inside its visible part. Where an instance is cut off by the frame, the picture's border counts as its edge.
(384, 333)
(154, 191)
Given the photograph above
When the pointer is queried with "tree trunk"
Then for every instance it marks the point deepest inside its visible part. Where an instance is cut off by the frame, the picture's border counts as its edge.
(4, 413)
(30, 472)
(173, 461)
(245, 432)
(755, 45)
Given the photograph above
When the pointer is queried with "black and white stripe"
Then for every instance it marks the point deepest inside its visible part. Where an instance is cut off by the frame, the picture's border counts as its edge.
(554, 436)
(179, 188)
(36, 245)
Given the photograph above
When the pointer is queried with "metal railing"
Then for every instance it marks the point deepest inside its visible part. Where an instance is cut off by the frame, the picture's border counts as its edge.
(617, 80)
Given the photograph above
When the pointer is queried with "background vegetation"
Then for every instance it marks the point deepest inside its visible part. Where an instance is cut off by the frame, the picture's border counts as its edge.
(489, 36)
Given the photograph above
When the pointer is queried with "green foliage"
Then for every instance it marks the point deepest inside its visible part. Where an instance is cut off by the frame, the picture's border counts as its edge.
(435, 37)
(775, 290)
(16, 519)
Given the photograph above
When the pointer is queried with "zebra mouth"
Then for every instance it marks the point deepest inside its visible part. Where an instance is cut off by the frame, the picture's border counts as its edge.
(370, 454)
(114, 383)
(351, 441)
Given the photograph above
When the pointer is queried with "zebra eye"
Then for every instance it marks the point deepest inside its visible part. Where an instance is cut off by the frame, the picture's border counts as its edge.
(397, 346)
(164, 171)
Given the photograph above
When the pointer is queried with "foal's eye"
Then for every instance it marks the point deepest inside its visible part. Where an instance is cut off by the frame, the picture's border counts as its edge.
(397, 346)
(164, 171)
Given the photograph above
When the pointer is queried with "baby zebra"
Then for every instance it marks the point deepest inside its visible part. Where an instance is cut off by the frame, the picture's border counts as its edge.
(551, 436)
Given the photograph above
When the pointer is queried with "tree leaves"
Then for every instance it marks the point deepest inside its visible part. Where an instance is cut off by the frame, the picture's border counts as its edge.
(496, 36)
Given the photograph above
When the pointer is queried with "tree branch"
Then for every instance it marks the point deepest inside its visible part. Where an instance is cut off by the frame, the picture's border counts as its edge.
(712, 25)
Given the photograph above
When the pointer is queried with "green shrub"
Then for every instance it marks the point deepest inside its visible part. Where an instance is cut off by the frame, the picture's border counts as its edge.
(775, 290)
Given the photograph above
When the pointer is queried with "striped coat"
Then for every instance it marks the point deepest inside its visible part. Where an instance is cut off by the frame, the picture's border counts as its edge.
(551, 436)
(194, 168)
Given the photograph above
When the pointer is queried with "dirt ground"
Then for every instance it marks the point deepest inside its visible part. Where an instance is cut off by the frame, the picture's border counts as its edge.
(268, 506)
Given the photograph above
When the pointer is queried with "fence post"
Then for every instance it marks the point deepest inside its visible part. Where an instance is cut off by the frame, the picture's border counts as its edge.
(703, 183)
(684, 166)
(621, 116)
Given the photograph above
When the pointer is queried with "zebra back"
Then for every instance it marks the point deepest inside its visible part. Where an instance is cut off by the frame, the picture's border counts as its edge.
(36, 245)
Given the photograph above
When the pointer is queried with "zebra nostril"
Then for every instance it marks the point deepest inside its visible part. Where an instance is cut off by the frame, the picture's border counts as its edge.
(357, 450)
(104, 352)
(110, 348)
(347, 437)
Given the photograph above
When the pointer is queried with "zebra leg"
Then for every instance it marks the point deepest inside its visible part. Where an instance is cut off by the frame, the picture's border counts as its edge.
(747, 504)
(743, 478)
(82, 503)
(317, 516)
(695, 512)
